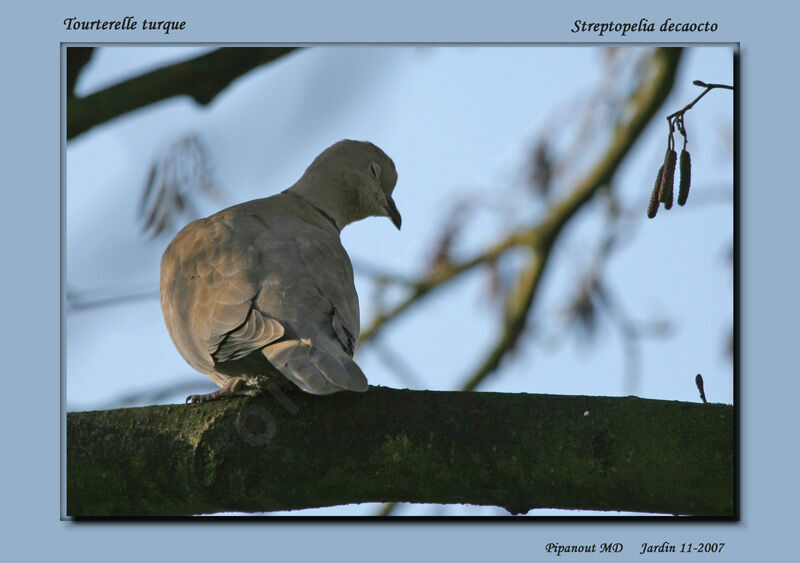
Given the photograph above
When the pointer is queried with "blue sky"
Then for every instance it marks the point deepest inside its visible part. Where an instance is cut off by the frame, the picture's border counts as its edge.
(459, 122)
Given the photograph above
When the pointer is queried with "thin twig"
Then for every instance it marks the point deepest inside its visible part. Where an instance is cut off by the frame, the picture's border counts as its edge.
(708, 88)
(397, 365)
(379, 275)
(82, 300)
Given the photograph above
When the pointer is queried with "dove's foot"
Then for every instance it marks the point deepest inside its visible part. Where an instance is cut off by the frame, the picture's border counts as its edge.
(233, 387)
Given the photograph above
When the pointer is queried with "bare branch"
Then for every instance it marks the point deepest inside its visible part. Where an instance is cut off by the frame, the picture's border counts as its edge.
(707, 88)
(201, 78)
(77, 58)
(444, 273)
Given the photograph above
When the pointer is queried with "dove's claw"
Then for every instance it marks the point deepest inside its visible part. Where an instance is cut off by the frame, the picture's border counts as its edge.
(233, 387)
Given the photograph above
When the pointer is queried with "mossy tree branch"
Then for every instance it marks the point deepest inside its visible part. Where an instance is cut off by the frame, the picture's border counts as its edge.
(517, 451)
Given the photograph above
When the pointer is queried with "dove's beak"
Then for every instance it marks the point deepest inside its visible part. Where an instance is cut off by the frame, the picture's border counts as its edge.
(394, 214)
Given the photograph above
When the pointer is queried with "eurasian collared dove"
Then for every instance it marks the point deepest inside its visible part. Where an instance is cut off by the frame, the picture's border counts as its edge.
(262, 292)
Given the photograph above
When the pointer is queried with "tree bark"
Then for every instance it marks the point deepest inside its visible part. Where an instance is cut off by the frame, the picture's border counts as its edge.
(293, 451)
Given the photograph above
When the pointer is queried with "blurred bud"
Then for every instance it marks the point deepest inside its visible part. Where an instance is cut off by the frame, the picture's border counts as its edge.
(540, 172)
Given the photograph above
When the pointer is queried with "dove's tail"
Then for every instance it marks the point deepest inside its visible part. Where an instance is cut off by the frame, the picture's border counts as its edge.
(313, 370)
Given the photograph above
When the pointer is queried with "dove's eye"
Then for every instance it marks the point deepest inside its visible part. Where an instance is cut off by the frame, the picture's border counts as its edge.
(375, 168)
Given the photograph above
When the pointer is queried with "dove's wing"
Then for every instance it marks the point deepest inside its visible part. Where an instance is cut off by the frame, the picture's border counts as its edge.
(310, 289)
(209, 285)
(269, 274)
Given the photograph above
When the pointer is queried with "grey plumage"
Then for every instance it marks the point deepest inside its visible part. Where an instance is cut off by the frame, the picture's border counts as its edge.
(264, 290)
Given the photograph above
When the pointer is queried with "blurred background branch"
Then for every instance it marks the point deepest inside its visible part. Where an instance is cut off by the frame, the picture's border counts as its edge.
(540, 237)
(642, 106)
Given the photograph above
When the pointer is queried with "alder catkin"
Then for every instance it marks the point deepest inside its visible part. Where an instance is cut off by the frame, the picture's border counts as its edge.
(686, 177)
(668, 179)
(652, 208)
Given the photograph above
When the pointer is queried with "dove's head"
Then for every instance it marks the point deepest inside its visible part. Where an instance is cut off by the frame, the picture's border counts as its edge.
(349, 181)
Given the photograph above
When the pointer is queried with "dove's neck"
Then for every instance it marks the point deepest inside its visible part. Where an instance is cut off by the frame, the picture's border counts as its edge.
(336, 203)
